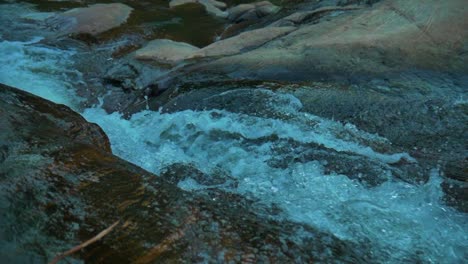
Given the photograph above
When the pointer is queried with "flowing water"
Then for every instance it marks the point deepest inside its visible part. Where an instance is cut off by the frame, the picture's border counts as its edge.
(398, 221)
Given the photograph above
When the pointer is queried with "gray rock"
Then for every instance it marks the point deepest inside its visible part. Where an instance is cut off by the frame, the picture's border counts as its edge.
(374, 40)
(165, 51)
(251, 11)
(244, 41)
(212, 7)
(90, 20)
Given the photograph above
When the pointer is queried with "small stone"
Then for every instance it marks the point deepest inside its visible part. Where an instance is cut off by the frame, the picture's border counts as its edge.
(165, 51)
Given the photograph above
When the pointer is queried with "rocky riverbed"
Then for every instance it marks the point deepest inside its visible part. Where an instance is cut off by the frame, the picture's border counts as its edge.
(234, 131)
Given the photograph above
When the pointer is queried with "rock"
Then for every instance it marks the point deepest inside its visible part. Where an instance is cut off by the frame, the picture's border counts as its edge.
(125, 83)
(38, 198)
(359, 2)
(456, 182)
(171, 52)
(304, 16)
(93, 20)
(217, 4)
(265, 8)
(55, 168)
(178, 172)
(237, 11)
(244, 41)
(248, 99)
(174, 3)
(122, 75)
(165, 51)
(390, 36)
(252, 11)
(212, 7)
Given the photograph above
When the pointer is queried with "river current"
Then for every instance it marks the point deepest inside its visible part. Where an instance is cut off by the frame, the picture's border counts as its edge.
(399, 221)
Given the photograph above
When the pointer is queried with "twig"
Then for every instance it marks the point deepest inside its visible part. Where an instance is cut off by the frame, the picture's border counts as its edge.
(84, 244)
(166, 244)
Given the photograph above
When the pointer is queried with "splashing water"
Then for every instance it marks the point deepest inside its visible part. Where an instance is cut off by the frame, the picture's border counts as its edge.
(400, 222)
(39, 70)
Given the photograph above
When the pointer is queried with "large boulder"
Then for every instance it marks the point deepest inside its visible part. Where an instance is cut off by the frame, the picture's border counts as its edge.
(61, 185)
(390, 36)
(93, 20)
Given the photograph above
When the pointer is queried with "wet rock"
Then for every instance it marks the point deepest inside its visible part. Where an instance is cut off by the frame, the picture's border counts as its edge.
(425, 123)
(301, 17)
(122, 75)
(242, 42)
(218, 4)
(365, 170)
(456, 183)
(57, 168)
(353, 2)
(40, 208)
(422, 113)
(252, 11)
(117, 85)
(212, 7)
(90, 20)
(179, 172)
(174, 3)
(165, 51)
(266, 104)
(457, 169)
(390, 36)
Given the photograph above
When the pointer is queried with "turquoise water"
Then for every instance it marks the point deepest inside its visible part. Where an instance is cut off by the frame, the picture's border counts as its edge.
(398, 221)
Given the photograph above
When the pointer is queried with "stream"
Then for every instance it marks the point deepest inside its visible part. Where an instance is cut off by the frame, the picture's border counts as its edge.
(262, 151)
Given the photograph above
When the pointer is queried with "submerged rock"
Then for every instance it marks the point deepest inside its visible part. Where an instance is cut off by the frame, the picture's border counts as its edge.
(61, 185)
(93, 20)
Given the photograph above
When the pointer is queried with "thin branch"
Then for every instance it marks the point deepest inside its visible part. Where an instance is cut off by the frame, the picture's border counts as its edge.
(84, 244)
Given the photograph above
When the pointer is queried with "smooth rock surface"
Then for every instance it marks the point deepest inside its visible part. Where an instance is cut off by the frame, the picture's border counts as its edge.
(392, 35)
(165, 51)
(251, 11)
(212, 7)
(93, 20)
(300, 17)
(244, 41)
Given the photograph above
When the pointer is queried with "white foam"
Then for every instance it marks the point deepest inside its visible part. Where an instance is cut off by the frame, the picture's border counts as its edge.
(39, 70)
(410, 221)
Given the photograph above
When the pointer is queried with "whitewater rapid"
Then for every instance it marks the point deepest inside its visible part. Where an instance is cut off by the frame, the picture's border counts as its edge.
(398, 221)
